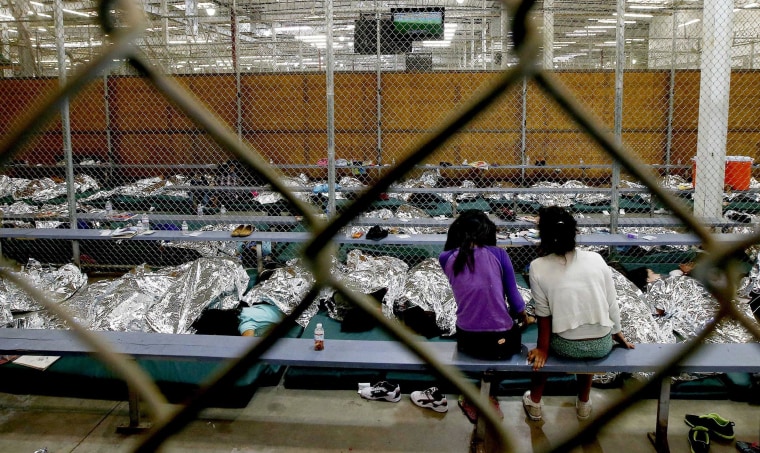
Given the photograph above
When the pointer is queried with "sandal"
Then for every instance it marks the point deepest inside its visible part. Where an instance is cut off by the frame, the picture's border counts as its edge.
(471, 412)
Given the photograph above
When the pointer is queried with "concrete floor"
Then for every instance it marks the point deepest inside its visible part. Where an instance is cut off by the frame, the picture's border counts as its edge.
(284, 420)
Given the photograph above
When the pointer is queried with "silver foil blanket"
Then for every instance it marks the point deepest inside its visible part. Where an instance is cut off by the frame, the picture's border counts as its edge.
(636, 317)
(751, 283)
(367, 274)
(203, 283)
(41, 190)
(166, 301)
(285, 289)
(427, 287)
(58, 283)
(118, 305)
(564, 195)
(687, 308)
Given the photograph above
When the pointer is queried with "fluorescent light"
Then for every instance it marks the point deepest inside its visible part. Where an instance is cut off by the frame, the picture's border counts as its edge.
(436, 43)
(601, 27)
(211, 11)
(45, 15)
(645, 7)
(75, 12)
(752, 5)
(294, 29)
(36, 3)
(642, 15)
(3, 16)
(693, 21)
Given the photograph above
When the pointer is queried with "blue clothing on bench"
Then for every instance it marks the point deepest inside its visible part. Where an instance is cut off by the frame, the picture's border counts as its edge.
(260, 318)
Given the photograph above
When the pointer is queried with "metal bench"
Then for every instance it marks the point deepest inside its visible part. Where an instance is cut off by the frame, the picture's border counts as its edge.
(391, 355)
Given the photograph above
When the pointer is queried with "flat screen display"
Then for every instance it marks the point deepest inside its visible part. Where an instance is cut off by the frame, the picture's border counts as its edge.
(365, 38)
(419, 23)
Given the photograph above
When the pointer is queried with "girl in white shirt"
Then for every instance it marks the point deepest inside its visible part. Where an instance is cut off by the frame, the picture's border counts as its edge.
(576, 306)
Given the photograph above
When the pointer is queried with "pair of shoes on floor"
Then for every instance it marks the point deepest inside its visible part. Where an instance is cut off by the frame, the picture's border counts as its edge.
(714, 423)
(431, 398)
(242, 231)
(383, 390)
(471, 412)
(532, 409)
(746, 447)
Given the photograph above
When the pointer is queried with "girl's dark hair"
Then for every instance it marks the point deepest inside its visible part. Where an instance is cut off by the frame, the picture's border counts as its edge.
(557, 229)
(472, 228)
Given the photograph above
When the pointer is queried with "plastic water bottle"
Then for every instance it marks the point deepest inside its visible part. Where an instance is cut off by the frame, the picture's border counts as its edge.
(222, 210)
(145, 222)
(319, 337)
(109, 208)
(200, 209)
(184, 227)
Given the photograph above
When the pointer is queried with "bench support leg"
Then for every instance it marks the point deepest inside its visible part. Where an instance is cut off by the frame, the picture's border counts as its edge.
(482, 435)
(659, 438)
(134, 426)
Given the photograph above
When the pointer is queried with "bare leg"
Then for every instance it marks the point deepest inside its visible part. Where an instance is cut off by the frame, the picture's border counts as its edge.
(584, 386)
(537, 384)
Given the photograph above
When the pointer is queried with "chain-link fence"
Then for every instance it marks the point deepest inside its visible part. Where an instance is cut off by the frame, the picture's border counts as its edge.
(342, 117)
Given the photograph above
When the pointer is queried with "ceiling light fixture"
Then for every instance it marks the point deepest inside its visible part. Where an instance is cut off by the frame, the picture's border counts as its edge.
(693, 21)
(70, 11)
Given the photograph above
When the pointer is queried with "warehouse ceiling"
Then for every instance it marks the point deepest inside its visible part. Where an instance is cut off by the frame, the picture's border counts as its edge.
(199, 36)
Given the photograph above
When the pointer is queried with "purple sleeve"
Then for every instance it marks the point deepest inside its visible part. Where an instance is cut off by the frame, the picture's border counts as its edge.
(444, 256)
(516, 302)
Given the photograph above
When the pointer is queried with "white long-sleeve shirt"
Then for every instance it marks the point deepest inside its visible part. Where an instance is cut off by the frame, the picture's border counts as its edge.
(578, 292)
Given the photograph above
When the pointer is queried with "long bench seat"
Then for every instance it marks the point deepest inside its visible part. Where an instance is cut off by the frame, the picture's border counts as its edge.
(603, 239)
(392, 355)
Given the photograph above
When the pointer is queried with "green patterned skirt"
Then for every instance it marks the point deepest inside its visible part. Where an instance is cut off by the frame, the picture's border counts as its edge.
(581, 349)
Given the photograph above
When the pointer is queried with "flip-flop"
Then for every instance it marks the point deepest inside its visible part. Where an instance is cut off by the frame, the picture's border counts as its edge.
(469, 410)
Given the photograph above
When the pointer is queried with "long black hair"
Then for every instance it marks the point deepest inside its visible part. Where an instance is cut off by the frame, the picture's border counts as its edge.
(557, 229)
(472, 228)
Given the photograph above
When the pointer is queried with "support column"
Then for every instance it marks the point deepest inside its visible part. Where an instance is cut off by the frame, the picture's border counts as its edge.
(504, 34)
(329, 64)
(549, 34)
(715, 82)
(619, 67)
(66, 126)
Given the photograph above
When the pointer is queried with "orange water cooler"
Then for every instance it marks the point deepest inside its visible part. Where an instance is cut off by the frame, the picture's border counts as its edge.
(738, 172)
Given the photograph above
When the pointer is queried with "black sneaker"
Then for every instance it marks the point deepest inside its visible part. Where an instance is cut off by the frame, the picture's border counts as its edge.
(431, 398)
(717, 425)
(699, 440)
(382, 391)
(746, 447)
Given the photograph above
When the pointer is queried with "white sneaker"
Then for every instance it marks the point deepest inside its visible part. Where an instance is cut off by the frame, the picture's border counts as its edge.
(382, 391)
(431, 398)
(583, 410)
(532, 409)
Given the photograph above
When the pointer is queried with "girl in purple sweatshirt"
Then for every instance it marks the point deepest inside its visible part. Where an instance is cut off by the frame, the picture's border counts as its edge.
(484, 286)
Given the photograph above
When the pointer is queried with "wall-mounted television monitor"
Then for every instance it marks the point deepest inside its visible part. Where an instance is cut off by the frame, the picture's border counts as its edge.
(391, 43)
(419, 23)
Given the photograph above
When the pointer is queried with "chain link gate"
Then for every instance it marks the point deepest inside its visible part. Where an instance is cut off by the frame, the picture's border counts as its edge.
(405, 115)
